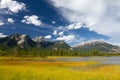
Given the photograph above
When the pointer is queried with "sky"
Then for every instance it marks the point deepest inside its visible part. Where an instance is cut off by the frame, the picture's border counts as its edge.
(72, 21)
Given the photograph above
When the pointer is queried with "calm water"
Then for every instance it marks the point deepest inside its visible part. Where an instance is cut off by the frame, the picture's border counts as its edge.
(102, 60)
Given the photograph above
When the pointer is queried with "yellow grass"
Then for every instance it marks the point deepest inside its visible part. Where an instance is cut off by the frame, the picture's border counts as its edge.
(35, 58)
(33, 70)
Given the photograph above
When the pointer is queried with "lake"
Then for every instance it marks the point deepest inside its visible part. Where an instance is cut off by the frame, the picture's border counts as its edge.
(102, 60)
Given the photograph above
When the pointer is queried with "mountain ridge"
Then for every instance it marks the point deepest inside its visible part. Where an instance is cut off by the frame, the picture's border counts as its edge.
(24, 41)
(99, 45)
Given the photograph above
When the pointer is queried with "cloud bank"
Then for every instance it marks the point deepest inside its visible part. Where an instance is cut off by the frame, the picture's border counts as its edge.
(10, 20)
(67, 38)
(48, 37)
(12, 5)
(32, 20)
(1, 23)
(101, 16)
(2, 35)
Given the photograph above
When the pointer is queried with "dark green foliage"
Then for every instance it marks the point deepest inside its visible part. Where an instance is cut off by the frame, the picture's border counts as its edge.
(34, 52)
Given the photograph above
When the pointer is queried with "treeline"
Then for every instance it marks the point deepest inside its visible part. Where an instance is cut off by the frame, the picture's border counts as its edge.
(46, 52)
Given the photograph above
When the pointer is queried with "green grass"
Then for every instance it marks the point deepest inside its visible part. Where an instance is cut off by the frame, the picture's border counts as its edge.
(12, 69)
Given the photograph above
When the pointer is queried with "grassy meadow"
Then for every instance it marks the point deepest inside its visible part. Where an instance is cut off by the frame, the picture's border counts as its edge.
(33, 69)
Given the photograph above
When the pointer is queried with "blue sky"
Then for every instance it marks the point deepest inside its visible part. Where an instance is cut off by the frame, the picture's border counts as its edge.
(72, 21)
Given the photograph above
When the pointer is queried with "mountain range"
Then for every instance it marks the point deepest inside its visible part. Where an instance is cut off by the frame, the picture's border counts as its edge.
(96, 45)
(23, 41)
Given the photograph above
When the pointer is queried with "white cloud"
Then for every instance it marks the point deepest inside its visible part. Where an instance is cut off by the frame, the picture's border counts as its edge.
(48, 37)
(75, 10)
(67, 38)
(53, 22)
(55, 32)
(12, 5)
(61, 33)
(101, 16)
(74, 26)
(2, 35)
(1, 23)
(10, 20)
(32, 20)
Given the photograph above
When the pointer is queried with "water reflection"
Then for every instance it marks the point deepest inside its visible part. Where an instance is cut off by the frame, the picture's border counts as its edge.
(102, 60)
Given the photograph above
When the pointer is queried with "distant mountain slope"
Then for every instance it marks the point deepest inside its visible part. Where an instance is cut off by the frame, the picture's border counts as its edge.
(96, 45)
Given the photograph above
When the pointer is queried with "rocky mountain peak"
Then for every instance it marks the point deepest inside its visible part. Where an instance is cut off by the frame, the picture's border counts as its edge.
(97, 45)
(23, 38)
(19, 38)
(92, 42)
(39, 39)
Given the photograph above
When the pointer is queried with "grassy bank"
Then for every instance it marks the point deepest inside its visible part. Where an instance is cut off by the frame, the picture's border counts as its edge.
(14, 69)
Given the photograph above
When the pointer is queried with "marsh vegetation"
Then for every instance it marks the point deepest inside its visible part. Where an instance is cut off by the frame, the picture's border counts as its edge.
(58, 68)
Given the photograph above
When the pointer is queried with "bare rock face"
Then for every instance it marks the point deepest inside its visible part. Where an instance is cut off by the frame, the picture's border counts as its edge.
(17, 40)
(39, 39)
(92, 42)
(23, 39)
